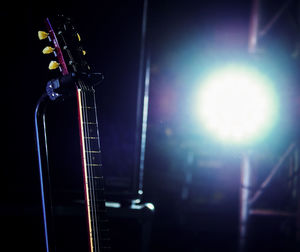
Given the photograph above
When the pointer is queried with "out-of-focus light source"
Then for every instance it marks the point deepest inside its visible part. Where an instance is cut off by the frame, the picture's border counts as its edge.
(236, 104)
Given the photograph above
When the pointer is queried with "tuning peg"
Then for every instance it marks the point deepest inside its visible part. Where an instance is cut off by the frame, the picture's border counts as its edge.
(53, 65)
(83, 52)
(78, 36)
(48, 50)
(42, 35)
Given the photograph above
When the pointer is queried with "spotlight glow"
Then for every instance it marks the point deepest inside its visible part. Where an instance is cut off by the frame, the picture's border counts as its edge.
(236, 104)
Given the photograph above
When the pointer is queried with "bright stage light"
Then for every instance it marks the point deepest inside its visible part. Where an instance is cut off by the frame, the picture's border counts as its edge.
(236, 104)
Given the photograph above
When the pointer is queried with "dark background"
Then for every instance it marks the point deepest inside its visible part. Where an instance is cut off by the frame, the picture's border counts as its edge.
(192, 181)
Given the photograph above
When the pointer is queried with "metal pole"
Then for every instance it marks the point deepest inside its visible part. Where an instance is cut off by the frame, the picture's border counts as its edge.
(42, 152)
(142, 105)
(245, 165)
(275, 18)
(244, 201)
(254, 24)
(272, 173)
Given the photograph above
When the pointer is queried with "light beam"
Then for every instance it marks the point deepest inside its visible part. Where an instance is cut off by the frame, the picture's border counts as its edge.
(236, 104)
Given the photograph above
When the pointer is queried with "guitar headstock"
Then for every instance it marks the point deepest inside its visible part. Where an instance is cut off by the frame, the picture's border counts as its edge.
(65, 45)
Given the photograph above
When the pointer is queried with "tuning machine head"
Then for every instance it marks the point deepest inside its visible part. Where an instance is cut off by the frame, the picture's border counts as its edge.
(42, 35)
(53, 65)
(48, 50)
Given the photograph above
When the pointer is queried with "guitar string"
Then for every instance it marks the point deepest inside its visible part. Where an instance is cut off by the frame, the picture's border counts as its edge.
(99, 174)
(89, 172)
(91, 175)
(93, 168)
(82, 100)
(84, 150)
(96, 192)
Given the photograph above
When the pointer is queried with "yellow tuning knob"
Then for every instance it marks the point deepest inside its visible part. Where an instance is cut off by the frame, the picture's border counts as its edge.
(42, 35)
(83, 52)
(48, 50)
(78, 36)
(53, 65)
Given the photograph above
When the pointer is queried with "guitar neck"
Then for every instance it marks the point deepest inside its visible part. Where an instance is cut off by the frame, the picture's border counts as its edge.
(92, 170)
(67, 47)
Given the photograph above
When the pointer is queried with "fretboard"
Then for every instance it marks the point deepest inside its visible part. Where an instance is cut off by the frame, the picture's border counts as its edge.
(92, 171)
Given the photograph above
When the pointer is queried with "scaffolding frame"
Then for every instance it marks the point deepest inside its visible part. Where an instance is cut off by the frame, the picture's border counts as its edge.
(247, 199)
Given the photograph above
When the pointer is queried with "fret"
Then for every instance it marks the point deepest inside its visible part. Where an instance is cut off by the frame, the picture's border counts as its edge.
(95, 174)
(92, 148)
(95, 168)
(89, 123)
(86, 107)
(90, 129)
(94, 177)
(96, 152)
(94, 141)
(93, 151)
(96, 165)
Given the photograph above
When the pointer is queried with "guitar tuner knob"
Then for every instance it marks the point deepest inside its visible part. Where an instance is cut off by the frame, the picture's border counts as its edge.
(42, 35)
(53, 65)
(83, 52)
(48, 50)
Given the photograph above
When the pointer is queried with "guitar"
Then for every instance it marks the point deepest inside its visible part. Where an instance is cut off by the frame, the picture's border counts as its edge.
(70, 61)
